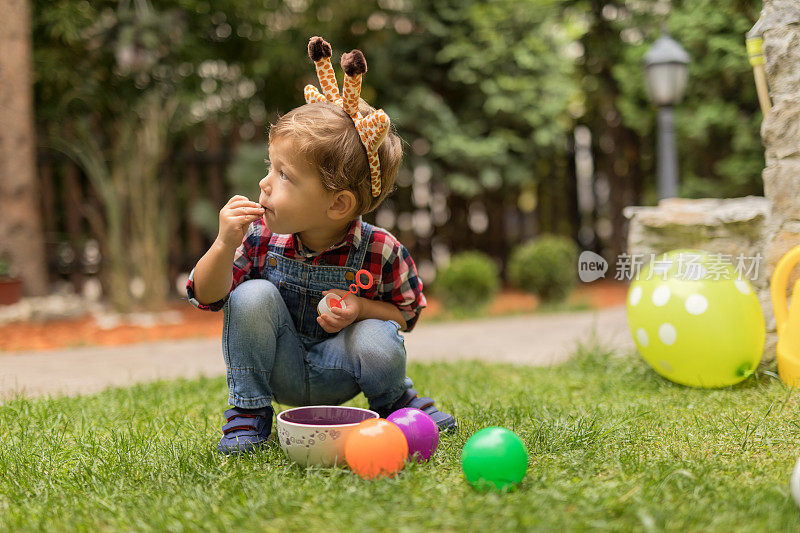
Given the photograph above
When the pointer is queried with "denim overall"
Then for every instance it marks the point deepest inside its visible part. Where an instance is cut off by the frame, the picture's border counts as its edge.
(301, 285)
(274, 347)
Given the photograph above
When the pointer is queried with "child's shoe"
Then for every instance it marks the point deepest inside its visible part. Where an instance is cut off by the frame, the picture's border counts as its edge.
(245, 429)
(410, 398)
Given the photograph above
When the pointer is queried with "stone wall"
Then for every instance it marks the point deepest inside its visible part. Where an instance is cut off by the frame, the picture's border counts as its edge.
(780, 131)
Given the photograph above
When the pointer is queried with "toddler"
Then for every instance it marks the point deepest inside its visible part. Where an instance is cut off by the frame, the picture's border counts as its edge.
(331, 161)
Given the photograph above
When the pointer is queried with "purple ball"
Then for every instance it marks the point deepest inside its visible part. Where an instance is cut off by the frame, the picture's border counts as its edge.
(420, 430)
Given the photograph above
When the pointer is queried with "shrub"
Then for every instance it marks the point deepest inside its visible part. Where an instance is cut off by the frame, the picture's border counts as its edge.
(469, 282)
(545, 266)
(7, 270)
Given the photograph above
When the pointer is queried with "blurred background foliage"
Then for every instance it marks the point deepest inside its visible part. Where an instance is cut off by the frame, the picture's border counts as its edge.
(489, 98)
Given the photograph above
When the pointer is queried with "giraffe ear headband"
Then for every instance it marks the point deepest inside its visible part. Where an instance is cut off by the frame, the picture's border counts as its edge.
(373, 128)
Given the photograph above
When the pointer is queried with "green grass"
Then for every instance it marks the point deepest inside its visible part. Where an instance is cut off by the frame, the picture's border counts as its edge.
(611, 445)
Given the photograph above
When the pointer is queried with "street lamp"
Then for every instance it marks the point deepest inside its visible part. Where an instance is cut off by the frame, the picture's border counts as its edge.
(665, 75)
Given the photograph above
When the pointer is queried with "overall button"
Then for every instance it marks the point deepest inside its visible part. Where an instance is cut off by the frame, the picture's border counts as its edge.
(349, 276)
(273, 262)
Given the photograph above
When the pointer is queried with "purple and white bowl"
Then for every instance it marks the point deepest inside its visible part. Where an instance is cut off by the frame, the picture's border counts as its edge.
(315, 435)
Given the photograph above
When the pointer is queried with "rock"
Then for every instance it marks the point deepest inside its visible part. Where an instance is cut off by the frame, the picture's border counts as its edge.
(726, 226)
(782, 187)
(780, 130)
(781, 33)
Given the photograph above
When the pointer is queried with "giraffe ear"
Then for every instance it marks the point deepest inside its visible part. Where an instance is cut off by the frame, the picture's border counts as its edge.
(312, 95)
(373, 129)
(318, 48)
(354, 65)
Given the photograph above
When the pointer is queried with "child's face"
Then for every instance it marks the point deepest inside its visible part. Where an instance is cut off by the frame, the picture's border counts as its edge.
(292, 191)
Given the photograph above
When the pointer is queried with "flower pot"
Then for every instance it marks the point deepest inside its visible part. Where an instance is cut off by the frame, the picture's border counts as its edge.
(10, 290)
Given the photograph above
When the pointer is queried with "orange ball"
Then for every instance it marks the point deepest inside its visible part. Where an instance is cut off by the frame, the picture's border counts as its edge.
(376, 448)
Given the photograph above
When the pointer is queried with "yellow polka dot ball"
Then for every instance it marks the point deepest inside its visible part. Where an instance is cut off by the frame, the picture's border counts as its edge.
(695, 319)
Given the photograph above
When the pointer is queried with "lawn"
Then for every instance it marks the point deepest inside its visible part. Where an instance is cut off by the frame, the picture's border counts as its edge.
(611, 445)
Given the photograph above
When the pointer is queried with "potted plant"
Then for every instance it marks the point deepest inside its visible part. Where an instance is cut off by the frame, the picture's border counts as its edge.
(10, 284)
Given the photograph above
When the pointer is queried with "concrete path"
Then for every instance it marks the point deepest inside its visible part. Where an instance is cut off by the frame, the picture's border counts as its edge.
(531, 339)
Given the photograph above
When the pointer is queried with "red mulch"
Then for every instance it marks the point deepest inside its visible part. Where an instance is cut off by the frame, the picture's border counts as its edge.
(26, 336)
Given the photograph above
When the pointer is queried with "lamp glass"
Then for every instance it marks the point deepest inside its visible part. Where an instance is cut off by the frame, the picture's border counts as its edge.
(666, 82)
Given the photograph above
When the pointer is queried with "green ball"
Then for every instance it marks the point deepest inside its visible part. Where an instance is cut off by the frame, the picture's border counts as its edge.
(494, 458)
(696, 320)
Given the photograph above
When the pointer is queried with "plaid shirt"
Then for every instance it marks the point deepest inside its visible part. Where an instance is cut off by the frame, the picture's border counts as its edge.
(391, 266)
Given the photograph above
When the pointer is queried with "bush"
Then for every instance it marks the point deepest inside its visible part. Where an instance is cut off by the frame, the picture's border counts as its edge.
(7, 270)
(545, 266)
(469, 282)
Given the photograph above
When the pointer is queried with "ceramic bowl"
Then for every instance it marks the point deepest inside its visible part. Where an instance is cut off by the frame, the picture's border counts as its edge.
(315, 435)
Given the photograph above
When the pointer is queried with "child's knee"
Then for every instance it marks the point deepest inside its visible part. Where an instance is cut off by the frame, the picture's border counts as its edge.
(253, 298)
(378, 342)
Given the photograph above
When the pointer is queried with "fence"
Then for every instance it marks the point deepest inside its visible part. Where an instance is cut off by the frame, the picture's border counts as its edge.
(422, 214)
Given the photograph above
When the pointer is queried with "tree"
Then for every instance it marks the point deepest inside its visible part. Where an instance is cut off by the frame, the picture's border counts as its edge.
(489, 86)
(485, 94)
(120, 81)
(717, 124)
(20, 223)
(132, 90)
(616, 146)
(719, 121)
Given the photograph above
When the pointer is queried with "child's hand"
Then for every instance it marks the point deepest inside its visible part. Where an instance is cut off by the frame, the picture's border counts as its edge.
(339, 318)
(234, 219)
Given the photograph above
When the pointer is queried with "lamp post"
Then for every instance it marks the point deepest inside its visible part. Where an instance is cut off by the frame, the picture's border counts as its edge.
(665, 75)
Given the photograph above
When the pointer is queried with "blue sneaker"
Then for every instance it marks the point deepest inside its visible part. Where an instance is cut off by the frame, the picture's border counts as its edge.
(410, 398)
(245, 429)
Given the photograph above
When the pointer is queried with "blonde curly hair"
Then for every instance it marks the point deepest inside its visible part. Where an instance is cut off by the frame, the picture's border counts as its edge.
(326, 136)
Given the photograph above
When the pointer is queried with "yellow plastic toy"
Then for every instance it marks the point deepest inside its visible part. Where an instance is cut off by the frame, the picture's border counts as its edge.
(788, 319)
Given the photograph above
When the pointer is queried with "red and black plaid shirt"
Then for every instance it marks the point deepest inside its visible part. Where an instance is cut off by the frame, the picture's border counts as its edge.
(395, 276)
